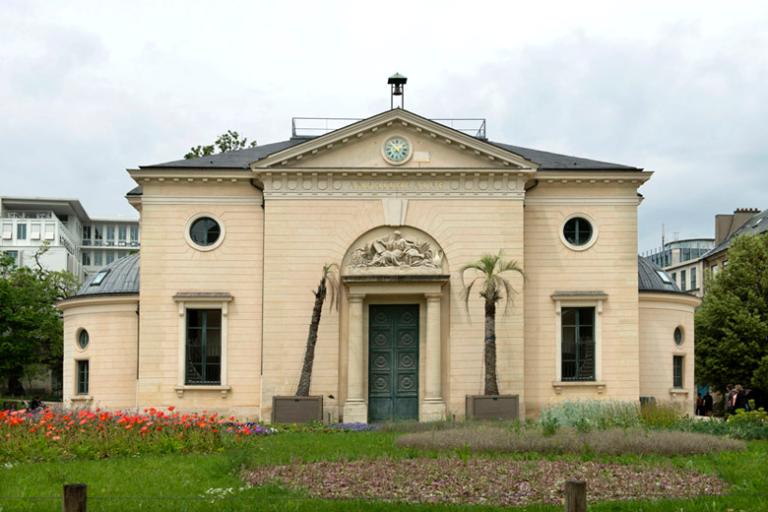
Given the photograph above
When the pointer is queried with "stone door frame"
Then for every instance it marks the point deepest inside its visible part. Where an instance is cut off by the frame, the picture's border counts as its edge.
(428, 293)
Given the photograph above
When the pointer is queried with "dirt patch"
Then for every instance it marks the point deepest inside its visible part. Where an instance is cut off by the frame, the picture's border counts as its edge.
(483, 481)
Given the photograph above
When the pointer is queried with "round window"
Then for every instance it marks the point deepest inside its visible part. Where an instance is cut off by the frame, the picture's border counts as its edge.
(83, 339)
(577, 231)
(679, 336)
(205, 231)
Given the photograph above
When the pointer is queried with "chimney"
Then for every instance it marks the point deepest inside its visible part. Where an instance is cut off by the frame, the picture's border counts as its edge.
(727, 224)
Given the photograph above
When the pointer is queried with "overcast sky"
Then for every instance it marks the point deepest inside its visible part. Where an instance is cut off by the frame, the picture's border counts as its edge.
(88, 89)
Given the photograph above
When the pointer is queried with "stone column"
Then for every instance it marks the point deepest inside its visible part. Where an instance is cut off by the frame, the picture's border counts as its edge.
(433, 408)
(355, 408)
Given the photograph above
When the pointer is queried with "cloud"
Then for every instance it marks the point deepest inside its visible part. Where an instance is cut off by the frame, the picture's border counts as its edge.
(89, 89)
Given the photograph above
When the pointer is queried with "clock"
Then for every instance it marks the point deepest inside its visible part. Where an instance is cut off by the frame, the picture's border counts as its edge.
(396, 150)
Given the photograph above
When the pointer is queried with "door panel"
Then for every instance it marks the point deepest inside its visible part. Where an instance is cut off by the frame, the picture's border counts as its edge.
(393, 368)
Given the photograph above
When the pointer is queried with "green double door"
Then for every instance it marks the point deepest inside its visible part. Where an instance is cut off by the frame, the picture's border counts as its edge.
(393, 363)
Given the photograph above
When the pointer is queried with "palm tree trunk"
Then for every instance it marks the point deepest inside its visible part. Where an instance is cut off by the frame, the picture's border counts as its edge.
(491, 386)
(309, 353)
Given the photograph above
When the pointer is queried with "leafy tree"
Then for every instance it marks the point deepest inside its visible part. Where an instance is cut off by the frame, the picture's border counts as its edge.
(229, 141)
(329, 282)
(732, 322)
(493, 288)
(30, 324)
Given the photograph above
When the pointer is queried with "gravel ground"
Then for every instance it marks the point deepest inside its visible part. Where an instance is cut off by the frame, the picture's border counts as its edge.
(483, 481)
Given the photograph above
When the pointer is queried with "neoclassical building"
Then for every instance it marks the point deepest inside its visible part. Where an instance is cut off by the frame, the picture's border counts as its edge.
(213, 313)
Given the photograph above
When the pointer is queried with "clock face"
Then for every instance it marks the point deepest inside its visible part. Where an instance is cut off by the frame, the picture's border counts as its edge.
(397, 150)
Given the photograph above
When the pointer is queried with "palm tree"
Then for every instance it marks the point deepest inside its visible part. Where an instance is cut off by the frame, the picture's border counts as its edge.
(493, 288)
(329, 282)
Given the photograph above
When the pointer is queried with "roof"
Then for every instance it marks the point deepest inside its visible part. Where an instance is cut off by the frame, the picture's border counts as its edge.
(243, 158)
(122, 278)
(649, 278)
(556, 162)
(240, 159)
(59, 205)
(756, 225)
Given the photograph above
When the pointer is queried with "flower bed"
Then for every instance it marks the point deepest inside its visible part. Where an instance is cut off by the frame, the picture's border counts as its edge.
(48, 435)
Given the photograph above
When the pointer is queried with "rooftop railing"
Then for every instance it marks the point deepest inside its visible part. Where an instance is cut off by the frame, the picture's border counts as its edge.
(316, 126)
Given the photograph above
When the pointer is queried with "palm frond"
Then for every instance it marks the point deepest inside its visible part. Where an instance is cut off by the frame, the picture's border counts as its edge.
(333, 284)
(490, 268)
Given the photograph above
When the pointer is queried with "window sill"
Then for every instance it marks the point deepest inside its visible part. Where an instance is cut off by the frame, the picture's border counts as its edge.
(598, 386)
(678, 391)
(81, 398)
(224, 390)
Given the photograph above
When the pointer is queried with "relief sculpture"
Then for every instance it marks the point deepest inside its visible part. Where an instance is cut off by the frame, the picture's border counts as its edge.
(396, 251)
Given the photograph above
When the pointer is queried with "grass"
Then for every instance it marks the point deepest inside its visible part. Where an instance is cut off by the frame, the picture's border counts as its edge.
(146, 482)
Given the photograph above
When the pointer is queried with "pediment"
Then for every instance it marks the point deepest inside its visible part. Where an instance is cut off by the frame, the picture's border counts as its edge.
(359, 145)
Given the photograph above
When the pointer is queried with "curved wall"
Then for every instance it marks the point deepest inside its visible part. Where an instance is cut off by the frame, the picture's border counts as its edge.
(660, 315)
(112, 323)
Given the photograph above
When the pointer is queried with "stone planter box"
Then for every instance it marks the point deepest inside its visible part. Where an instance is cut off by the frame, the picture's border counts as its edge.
(493, 407)
(297, 409)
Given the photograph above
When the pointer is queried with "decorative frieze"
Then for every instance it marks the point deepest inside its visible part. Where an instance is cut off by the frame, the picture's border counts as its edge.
(340, 185)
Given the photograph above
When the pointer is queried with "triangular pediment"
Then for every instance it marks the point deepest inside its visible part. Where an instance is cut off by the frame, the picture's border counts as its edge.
(359, 145)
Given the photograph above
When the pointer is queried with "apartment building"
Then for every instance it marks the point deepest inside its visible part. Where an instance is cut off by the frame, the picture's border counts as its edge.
(76, 242)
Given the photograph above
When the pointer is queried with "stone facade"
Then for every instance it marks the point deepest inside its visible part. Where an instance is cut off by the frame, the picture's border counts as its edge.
(400, 235)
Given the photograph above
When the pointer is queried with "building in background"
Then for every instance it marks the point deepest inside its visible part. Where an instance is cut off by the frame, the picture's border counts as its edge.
(744, 221)
(687, 261)
(76, 242)
(682, 259)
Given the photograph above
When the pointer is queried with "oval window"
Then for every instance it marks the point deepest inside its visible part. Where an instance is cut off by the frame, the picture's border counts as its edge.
(83, 339)
(205, 231)
(679, 336)
(577, 231)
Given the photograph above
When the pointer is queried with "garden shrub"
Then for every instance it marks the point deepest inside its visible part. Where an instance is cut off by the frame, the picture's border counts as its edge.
(654, 415)
(744, 418)
(585, 415)
(615, 441)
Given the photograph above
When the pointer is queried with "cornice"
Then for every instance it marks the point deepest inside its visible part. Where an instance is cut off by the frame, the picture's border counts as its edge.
(593, 177)
(401, 119)
(669, 297)
(177, 175)
(98, 300)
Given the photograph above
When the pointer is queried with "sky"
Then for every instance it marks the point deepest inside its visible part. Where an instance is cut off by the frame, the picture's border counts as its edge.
(90, 89)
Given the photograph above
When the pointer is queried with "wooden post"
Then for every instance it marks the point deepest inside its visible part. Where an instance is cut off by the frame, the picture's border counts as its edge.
(75, 497)
(575, 496)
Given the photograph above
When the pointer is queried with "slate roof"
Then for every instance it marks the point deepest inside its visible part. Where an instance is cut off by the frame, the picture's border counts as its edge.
(243, 158)
(240, 159)
(649, 278)
(756, 225)
(556, 162)
(123, 278)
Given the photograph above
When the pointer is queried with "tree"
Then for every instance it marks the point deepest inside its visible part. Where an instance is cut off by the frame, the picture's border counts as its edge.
(493, 288)
(229, 141)
(732, 322)
(329, 282)
(30, 324)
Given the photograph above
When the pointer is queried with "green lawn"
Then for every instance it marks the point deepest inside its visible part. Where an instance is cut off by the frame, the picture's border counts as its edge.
(179, 482)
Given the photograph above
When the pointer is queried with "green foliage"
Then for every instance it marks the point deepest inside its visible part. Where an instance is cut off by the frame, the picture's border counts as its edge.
(585, 415)
(549, 424)
(493, 285)
(229, 141)
(732, 322)
(746, 430)
(757, 418)
(30, 324)
(660, 416)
